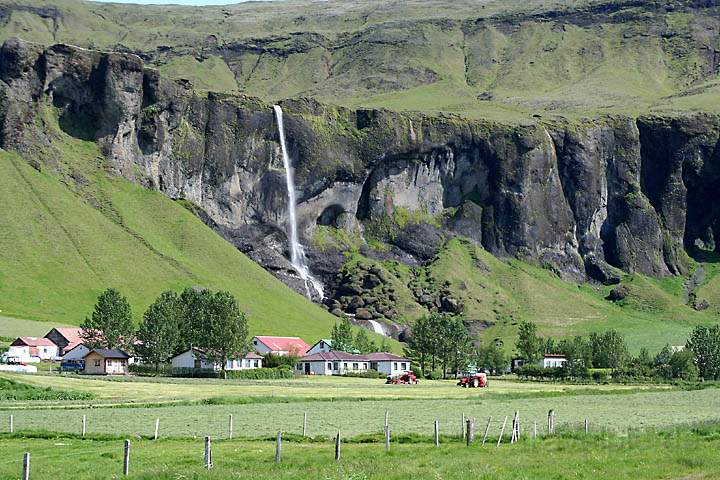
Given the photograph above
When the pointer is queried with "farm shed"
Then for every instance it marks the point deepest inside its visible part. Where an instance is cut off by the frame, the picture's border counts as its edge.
(101, 361)
(552, 360)
(280, 345)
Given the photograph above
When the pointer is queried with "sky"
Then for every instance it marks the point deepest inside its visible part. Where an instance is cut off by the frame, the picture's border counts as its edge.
(180, 2)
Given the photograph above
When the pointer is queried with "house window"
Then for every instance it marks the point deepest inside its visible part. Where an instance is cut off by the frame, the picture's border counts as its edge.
(345, 366)
(256, 363)
(329, 366)
(395, 366)
(336, 366)
(364, 366)
(97, 363)
(404, 366)
(355, 366)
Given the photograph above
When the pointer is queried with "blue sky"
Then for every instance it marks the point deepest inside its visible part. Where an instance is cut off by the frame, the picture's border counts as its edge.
(179, 2)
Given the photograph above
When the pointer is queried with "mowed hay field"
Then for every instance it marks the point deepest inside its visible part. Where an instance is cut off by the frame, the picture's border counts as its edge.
(353, 406)
(683, 454)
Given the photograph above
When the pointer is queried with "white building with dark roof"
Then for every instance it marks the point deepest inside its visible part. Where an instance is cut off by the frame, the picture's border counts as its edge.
(342, 363)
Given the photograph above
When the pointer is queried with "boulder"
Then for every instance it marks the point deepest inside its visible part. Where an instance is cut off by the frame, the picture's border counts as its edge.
(363, 314)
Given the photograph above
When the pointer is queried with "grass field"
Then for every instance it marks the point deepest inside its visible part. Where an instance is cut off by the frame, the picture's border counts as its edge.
(683, 454)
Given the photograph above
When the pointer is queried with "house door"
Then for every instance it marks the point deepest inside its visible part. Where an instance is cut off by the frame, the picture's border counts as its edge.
(307, 368)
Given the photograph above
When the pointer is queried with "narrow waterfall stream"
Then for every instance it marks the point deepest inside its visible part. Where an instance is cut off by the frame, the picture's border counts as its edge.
(297, 253)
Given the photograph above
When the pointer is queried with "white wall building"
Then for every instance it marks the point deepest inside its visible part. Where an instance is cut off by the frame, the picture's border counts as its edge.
(341, 363)
(280, 345)
(324, 345)
(553, 360)
(194, 359)
(31, 349)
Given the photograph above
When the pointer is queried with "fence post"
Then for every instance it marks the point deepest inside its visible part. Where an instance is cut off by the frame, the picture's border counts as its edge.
(535, 429)
(230, 426)
(304, 424)
(12, 424)
(84, 425)
(551, 421)
(278, 447)
(502, 430)
(387, 438)
(587, 426)
(26, 466)
(437, 433)
(462, 427)
(387, 414)
(157, 428)
(337, 447)
(470, 435)
(126, 458)
(208, 454)
(487, 429)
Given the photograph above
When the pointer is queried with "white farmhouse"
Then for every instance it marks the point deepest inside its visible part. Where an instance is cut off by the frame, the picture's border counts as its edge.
(195, 359)
(341, 363)
(553, 360)
(31, 349)
(323, 345)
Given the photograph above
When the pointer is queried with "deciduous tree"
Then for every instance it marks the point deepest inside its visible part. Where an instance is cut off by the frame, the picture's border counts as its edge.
(110, 325)
(159, 333)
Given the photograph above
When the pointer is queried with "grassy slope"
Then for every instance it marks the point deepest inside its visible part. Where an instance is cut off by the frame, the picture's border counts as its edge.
(57, 252)
(490, 71)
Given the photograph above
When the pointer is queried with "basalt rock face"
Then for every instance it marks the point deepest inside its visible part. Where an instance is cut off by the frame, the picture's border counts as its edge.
(586, 199)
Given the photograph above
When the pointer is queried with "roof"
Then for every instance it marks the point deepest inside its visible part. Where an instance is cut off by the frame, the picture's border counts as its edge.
(326, 340)
(72, 335)
(285, 344)
(33, 342)
(336, 356)
(554, 355)
(108, 353)
(249, 355)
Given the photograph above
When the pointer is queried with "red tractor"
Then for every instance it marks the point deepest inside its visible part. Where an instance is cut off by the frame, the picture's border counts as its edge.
(406, 378)
(473, 380)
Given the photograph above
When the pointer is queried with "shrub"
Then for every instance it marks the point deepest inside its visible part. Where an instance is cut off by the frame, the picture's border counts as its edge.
(366, 374)
(262, 373)
(11, 390)
(271, 360)
(145, 370)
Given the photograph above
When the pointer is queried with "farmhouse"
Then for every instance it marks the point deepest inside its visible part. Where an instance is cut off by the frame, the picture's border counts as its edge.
(32, 349)
(341, 363)
(323, 345)
(65, 338)
(195, 359)
(552, 360)
(280, 345)
(101, 361)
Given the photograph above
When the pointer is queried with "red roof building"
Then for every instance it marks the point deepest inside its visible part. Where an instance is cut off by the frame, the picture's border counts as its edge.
(280, 345)
(66, 338)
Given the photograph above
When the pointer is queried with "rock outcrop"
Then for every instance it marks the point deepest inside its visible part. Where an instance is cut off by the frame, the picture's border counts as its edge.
(586, 199)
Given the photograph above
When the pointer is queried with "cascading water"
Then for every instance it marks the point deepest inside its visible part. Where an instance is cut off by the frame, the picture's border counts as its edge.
(297, 253)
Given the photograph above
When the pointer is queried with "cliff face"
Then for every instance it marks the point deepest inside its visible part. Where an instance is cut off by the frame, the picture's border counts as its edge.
(583, 198)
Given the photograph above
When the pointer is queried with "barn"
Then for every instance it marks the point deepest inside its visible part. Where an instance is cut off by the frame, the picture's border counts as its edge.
(66, 338)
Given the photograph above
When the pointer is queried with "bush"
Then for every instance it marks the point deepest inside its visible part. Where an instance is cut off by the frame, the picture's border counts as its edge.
(270, 360)
(145, 370)
(262, 373)
(366, 374)
(601, 375)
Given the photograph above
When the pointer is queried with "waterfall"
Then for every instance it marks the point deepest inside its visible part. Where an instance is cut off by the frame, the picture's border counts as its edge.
(377, 327)
(297, 254)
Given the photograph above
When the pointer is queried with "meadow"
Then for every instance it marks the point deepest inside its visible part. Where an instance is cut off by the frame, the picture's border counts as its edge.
(680, 454)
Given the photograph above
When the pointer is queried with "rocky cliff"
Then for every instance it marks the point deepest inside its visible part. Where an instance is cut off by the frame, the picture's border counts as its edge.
(586, 199)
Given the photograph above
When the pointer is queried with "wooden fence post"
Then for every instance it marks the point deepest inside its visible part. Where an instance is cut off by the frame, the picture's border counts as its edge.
(337, 447)
(387, 438)
(230, 426)
(126, 458)
(462, 427)
(551, 422)
(304, 424)
(84, 425)
(502, 430)
(437, 433)
(587, 426)
(278, 447)
(514, 429)
(12, 424)
(208, 454)
(26, 466)
(387, 414)
(157, 428)
(535, 429)
(487, 429)
(470, 434)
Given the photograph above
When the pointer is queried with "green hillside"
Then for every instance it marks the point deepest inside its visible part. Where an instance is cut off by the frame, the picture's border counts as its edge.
(66, 237)
(501, 59)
